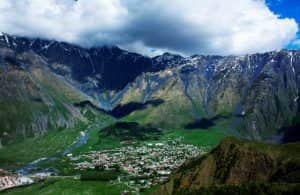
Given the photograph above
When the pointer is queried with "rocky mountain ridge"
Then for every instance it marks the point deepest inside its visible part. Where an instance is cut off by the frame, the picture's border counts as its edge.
(258, 94)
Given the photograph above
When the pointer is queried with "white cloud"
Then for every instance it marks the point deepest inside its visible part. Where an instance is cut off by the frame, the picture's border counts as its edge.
(84, 22)
(184, 26)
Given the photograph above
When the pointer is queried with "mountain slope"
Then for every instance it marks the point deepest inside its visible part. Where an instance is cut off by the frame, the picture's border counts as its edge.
(32, 98)
(257, 93)
(235, 162)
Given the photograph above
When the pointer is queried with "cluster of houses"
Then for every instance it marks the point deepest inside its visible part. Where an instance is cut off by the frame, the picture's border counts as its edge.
(11, 181)
(145, 165)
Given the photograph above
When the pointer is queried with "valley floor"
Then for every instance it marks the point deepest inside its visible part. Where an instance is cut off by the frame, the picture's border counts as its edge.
(57, 157)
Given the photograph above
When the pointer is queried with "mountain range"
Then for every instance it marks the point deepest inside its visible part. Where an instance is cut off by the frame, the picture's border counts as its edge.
(43, 82)
(59, 100)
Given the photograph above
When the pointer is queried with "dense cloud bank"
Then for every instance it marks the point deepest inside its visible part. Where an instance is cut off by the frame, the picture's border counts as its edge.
(152, 27)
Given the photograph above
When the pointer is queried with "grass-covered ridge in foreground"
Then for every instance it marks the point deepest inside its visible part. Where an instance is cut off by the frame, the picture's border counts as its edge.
(235, 162)
(249, 189)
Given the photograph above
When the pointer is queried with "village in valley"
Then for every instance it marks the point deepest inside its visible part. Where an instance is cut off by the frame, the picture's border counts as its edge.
(143, 165)
(13, 180)
(139, 166)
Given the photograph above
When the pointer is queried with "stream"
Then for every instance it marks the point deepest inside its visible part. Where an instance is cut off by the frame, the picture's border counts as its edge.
(33, 167)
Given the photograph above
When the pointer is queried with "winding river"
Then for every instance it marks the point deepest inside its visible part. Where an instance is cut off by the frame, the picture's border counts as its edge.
(33, 167)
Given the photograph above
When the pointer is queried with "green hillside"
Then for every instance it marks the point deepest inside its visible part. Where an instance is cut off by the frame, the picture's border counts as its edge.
(235, 162)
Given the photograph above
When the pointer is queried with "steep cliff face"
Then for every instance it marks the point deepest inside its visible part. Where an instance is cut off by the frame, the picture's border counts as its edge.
(100, 68)
(235, 162)
(258, 93)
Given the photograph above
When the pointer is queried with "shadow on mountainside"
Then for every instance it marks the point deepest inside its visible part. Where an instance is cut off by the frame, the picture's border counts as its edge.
(204, 123)
(123, 110)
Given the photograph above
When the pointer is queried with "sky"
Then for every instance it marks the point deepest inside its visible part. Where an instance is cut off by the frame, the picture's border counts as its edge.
(222, 27)
(291, 9)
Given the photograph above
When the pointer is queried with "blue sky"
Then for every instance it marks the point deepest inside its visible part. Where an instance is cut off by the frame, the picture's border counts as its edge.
(287, 8)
